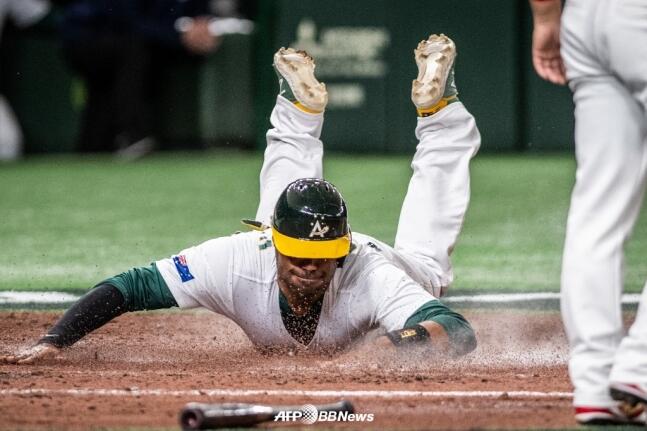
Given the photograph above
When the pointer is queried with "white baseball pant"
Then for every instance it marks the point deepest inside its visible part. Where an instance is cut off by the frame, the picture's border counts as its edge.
(439, 190)
(10, 134)
(604, 46)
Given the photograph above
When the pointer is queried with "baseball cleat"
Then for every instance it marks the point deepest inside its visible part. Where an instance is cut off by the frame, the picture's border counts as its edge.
(296, 69)
(434, 88)
(614, 415)
(629, 393)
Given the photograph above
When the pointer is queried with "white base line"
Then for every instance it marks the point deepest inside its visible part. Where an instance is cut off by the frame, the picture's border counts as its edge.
(627, 298)
(63, 298)
(36, 297)
(287, 393)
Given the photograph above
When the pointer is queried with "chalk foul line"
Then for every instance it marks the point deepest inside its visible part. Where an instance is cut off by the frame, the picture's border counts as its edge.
(11, 297)
(36, 297)
(286, 393)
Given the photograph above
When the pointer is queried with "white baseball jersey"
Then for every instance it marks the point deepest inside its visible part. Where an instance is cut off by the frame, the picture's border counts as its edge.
(236, 276)
(378, 285)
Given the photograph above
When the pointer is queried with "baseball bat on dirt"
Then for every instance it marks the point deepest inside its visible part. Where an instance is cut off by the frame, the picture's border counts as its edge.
(197, 416)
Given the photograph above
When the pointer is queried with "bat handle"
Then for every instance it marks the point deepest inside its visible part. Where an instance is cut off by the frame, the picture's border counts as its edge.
(204, 416)
(191, 419)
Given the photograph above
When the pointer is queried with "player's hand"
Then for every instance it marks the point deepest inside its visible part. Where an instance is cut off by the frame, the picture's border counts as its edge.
(546, 57)
(198, 39)
(31, 355)
(383, 344)
(378, 350)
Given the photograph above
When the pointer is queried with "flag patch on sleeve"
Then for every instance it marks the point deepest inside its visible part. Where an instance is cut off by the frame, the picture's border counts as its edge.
(182, 268)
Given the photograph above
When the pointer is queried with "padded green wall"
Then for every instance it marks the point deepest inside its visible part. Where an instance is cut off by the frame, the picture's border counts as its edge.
(364, 52)
(44, 96)
(514, 109)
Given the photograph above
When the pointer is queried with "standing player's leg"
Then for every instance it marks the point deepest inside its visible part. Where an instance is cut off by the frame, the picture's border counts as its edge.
(294, 149)
(604, 206)
(605, 202)
(627, 42)
(439, 190)
(11, 137)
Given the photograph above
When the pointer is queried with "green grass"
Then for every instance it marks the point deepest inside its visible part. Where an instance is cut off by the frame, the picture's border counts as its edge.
(66, 222)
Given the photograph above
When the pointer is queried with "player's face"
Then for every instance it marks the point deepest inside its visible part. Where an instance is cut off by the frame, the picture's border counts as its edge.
(306, 278)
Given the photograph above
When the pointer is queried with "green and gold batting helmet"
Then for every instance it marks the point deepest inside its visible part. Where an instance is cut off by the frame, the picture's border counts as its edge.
(310, 221)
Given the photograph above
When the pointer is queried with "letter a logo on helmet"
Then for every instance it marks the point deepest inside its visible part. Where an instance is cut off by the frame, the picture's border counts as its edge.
(318, 230)
(311, 221)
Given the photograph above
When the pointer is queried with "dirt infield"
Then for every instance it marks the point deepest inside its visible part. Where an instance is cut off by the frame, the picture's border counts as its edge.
(140, 369)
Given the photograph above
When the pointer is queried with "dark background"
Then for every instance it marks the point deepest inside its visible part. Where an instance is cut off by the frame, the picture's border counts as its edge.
(226, 99)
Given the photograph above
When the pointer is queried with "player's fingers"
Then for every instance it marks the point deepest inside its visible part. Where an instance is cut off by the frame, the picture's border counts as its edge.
(36, 353)
(562, 72)
(557, 76)
(8, 359)
(549, 66)
(28, 360)
(545, 73)
(549, 75)
(383, 344)
(555, 70)
(539, 66)
(25, 361)
(551, 70)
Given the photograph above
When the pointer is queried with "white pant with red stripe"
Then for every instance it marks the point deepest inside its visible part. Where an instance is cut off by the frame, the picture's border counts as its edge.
(604, 46)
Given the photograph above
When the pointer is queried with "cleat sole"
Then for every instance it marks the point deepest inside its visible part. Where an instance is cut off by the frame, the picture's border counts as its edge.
(297, 68)
(435, 58)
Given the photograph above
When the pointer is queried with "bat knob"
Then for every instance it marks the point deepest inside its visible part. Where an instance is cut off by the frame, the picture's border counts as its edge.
(191, 419)
(347, 406)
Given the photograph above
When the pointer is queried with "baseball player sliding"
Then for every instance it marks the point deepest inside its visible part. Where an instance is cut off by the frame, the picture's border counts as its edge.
(604, 56)
(303, 280)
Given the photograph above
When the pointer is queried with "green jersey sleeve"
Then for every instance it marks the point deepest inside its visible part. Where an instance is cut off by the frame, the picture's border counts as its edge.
(460, 332)
(143, 289)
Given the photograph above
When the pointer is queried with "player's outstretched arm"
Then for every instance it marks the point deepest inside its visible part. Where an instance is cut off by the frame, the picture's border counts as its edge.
(91, 311)
(137, 289)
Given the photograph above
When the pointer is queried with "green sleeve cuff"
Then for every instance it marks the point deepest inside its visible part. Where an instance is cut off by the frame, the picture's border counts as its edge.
(460, 332)
(143, 289)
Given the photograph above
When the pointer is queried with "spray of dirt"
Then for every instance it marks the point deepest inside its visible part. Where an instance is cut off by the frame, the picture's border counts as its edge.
(513, 343)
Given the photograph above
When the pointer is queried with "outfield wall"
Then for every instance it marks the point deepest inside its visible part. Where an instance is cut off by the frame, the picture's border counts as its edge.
(364, 54)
